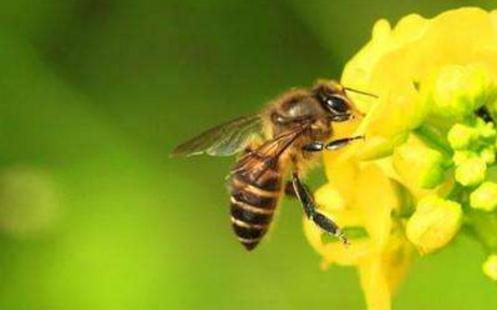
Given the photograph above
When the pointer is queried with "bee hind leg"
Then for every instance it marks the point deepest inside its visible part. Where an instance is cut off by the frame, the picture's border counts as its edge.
(307, 200)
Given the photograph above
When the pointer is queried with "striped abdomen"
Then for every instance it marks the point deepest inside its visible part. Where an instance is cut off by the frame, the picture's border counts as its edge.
(254, 195)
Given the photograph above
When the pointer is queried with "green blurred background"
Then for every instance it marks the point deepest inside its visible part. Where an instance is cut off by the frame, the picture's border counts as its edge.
(94, 214)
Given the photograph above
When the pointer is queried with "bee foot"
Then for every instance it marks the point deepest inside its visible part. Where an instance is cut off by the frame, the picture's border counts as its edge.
(342, 238)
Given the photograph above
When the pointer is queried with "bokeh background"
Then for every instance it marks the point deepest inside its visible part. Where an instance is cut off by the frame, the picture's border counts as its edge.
(93, 212)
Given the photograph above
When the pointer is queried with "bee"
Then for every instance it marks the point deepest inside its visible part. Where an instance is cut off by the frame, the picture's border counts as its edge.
(277, 144)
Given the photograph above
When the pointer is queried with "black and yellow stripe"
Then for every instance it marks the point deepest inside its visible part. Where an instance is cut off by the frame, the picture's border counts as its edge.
(254, 196)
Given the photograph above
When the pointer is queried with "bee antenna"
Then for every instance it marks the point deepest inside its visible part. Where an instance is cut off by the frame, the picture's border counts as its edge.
(360, 92)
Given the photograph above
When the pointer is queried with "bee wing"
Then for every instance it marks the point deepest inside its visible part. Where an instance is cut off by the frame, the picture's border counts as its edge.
(223, 140)
(269, 151)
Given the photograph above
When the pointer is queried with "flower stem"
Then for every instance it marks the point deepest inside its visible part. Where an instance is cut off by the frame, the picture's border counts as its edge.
(430, 135)
(483, 227)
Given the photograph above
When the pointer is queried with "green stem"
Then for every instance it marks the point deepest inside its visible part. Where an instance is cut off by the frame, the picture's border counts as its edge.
(430, 135)
(483, 227)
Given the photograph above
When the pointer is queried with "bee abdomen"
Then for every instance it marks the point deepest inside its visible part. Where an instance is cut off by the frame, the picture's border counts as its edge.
(253, 201)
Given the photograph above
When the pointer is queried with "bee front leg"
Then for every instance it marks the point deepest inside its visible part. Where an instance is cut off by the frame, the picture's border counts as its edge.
(318, 146)
(306, 199)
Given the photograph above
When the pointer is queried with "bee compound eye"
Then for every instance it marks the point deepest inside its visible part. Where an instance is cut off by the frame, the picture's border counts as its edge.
(337, 105)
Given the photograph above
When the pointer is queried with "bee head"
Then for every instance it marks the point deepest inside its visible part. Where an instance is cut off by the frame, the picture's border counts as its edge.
(332, 97)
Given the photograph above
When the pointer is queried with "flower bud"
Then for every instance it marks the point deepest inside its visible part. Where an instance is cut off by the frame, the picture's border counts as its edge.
(457, 91)
(485, 130)
(484, 197)
(460, 136)
(490, 267)
(419, 165)
(461, 156)
(471, 172)
(488, 155)
(434, 223)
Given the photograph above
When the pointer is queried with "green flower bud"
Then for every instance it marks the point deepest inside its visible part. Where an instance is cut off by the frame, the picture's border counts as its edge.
(471, 172)
(484, 197)
(434, 223)
(419, 165)
(488, 155)
(460, 136)
(485, 130)
(490, 267)
(461, 156)
(457, 91)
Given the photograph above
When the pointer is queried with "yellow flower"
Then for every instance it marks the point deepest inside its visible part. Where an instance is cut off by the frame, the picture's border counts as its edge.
(383, 255)
(417, 50)
(430, 75)
(434, 223)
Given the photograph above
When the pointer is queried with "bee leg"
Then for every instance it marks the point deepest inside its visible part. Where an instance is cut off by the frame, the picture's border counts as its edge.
(305, 197)
(318, 146)
(339, 143)
(289, 190)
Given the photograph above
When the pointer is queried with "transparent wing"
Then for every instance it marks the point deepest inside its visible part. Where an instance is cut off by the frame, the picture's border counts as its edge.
(270, 152)
(224, 140)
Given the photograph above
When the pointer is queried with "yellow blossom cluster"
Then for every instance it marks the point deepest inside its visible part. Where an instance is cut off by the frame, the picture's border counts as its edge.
(427, 166)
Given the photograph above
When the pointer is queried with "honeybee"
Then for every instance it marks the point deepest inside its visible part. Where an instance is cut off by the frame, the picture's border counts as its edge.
(276, 144)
